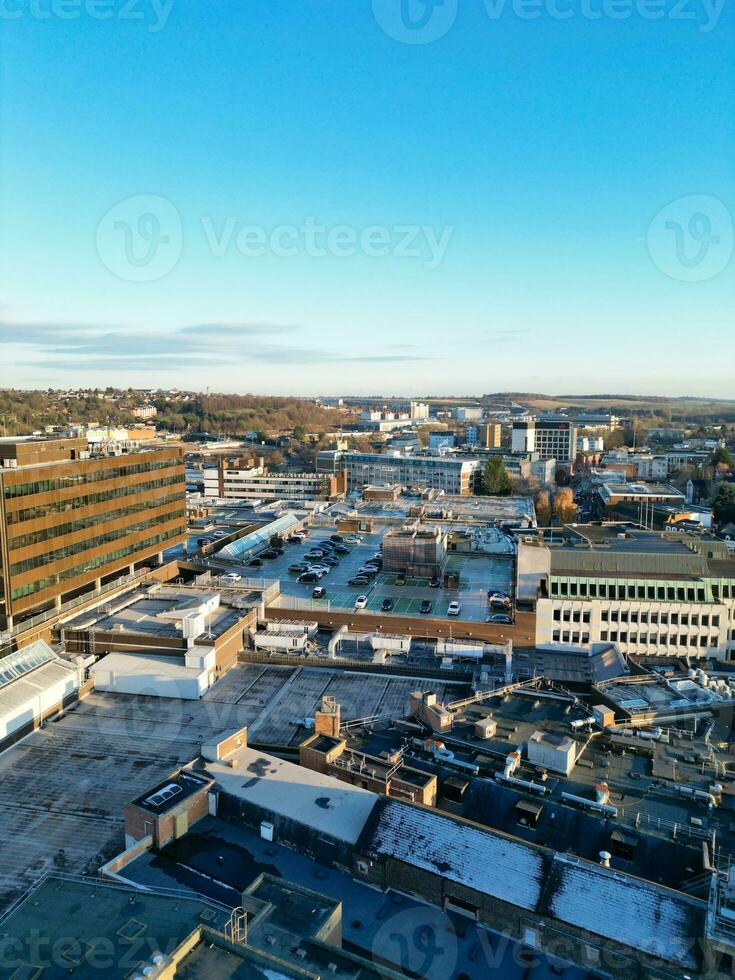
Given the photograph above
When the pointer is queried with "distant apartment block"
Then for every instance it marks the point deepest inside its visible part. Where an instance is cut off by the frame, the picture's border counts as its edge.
(455, 476)
(489, 435)
(145, 412)
(441, 440)
(69, 520)
(256, 484)
(468, 412)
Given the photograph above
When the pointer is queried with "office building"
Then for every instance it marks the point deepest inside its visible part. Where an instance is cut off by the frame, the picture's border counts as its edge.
(549, 438)
(70, 519)
(455, 476)
(650, 593)
(255, 483)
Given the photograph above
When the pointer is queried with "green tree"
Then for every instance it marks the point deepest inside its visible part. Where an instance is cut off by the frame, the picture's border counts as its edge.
(722, 455)
(723, 506)
(496, 482)
(299, 433)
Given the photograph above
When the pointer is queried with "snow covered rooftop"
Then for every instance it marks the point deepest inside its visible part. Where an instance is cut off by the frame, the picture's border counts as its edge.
(507, 869)
(627, 910)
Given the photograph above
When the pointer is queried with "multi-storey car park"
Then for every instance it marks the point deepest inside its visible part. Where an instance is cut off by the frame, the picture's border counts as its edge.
(70, 520)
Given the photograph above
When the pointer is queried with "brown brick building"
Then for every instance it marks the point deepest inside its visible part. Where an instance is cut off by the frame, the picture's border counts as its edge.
(69, 520)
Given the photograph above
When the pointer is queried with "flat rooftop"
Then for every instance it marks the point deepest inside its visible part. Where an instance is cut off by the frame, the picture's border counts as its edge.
(70, 927)
(286, 789)
(155, 612)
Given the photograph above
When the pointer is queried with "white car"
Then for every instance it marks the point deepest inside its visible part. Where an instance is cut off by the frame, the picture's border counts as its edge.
(320, 569)
(353, 539)
(231, 578)
(361, 602)
(454, 609)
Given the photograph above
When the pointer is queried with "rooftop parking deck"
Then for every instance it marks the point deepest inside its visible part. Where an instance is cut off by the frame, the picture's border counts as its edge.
(477, 574)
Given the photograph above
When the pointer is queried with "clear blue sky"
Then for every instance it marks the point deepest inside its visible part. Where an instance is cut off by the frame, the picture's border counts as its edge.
(536, 150)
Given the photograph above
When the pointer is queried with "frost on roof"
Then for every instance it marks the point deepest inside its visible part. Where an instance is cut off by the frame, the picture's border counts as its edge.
(508, 870)
(627, 910)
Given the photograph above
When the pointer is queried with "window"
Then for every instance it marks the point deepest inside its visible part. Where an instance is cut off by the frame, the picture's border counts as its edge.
(557, 615)
(586, 616)
(605, 615)
(556, 636)
(603, 636)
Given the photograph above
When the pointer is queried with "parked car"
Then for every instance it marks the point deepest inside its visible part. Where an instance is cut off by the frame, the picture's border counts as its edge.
(454, 609)
(336, 537)
(361, 602)
(231, 578)
(319, 592)
(294, 539)
(401, 580)
(315, 553)
(255, 563)
(500, 619)
(341, 550)
(435, 582)
(425, 607)
(325, 545)
(308, 577)
(353, 539)
(368, 573)
(387, 604)
(321, 569)
(331, 560)
(359, 580)
(271, 553)
(299, 568)
(500, 602)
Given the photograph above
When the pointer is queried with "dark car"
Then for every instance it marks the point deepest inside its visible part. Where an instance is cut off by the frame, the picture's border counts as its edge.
(308, 577)
(319, 592)
(255, 563)
(298, 569)
(325, 545)
(435, 582)
(358, 580)
(368, 573)
(425, 607)
(336, 537)
(271, 553)
(500, 619)
(341, 550)
(331, 560)
(294, 539)
(386, 605)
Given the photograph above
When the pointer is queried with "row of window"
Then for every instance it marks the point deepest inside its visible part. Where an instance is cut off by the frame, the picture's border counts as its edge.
(571, 616)
(58, 554)
(89, 499)
(666, 592)
(663, 639)
(664, 618)
(70, 573)
(58, 530)
(79, 477)
(644, 639)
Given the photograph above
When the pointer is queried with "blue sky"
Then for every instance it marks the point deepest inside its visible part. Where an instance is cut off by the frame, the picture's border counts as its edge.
(287, 197)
